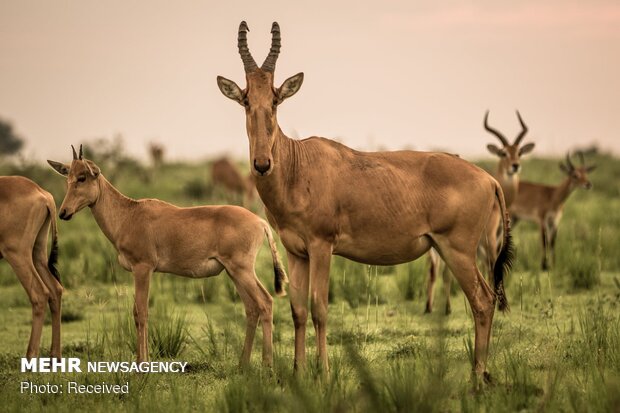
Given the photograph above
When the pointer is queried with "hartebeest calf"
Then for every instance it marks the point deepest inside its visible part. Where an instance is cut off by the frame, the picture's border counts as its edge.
(543, 204)
(225, 175)
(507, 175)
(152, 235)
(379, 208)
(28, 213)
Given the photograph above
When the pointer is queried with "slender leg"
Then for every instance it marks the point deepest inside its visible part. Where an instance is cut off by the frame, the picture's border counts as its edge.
(142, 278)
(257, 302)
(24, 268)
(447, 282)
(299, 277)
(554, 234)
(481, 299)
(53, 286)
(543, 237)
(434, 261)
(320, 258)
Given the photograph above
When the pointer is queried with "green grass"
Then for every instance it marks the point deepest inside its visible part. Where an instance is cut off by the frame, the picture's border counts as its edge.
(557, 350)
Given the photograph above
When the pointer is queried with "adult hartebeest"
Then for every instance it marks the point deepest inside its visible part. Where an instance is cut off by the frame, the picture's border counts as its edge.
(226, 175)
(151, 235)
(507, 175)
(379, 208)
(543, 204)
(28, 213)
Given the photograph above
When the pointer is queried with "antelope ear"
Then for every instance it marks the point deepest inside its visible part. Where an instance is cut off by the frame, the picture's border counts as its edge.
(290, 86)
(527, 148)
(494, 149)
(230, 89)
(92, 168)
(59, 167)
(590, 168)
(565, 168)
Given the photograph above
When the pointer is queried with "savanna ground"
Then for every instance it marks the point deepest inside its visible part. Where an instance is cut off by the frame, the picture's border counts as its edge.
(557, 350)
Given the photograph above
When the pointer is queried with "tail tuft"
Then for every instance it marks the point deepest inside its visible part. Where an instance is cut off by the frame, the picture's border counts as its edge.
(280, 279)
(53, 259)
(502, 266)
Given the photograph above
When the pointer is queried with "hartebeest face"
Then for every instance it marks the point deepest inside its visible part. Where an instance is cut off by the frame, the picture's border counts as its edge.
(509, 154)
(578, 175)
(260, 99)
(82, 184)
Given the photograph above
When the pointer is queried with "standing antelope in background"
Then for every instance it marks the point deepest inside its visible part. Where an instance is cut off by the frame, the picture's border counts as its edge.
(507, 175)
(543, 204)
(226, 175)
(28, 212)
(378, 208)
(151, 235)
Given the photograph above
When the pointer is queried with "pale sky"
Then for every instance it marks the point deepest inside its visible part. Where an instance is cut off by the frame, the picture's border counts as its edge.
(392, 74)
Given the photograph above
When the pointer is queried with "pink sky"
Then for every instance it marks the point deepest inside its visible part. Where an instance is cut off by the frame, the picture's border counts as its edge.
(386, 74)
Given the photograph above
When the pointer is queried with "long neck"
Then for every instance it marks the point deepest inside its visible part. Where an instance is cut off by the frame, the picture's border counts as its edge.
(562, 192)
(509, 184)
(287, 156)
(111, 209)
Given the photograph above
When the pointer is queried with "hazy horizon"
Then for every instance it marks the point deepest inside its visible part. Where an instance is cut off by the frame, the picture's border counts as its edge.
(393, 75)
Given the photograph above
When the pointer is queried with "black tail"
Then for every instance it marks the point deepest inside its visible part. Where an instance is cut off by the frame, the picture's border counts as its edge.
(279, 279)
(53, 259)
(502, 266)
(504, 261)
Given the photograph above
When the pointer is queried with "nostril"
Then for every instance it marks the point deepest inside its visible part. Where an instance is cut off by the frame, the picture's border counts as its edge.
(62, 214)
(262, 167)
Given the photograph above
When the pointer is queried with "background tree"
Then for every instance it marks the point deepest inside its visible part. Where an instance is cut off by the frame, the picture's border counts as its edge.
(10, 142)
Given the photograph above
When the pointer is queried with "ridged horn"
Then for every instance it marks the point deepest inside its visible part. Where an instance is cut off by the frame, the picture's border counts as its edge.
(569, 163)
(582, 158)
(74, 153)
(269, 65)
(242, 43)
(81, 155)
(494, 131)
(523, 129)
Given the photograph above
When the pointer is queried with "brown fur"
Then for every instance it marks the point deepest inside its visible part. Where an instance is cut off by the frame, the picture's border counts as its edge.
(151, 235)
(28, 213)
(226, 175)
(543, 204)
(377, 208)
(508, 169)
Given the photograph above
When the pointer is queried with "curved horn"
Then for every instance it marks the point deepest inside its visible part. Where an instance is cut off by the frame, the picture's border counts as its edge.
(269, 65)
(569, 163)
(242, 43)
(74, 153)
(523, 129)
(582, 158)
(494, 131)
(81, 155)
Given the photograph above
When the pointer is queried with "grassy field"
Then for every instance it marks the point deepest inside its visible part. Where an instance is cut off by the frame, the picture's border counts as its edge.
(557, 350)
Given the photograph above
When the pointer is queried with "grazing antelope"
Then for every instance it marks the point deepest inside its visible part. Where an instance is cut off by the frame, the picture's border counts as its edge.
(226, 175)
(28, 213)
(152, 235)
(378, 208)
(507, 175)
(543, 204)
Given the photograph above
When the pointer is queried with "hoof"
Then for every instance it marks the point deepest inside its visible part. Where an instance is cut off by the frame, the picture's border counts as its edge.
(448, 310)
(487, 378)
(428, 309)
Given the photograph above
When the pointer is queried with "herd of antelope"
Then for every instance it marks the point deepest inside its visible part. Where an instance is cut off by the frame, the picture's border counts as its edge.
(321, 197)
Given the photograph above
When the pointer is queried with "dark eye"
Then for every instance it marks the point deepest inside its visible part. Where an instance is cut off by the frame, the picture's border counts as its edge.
(502, 154)
(81, 179)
